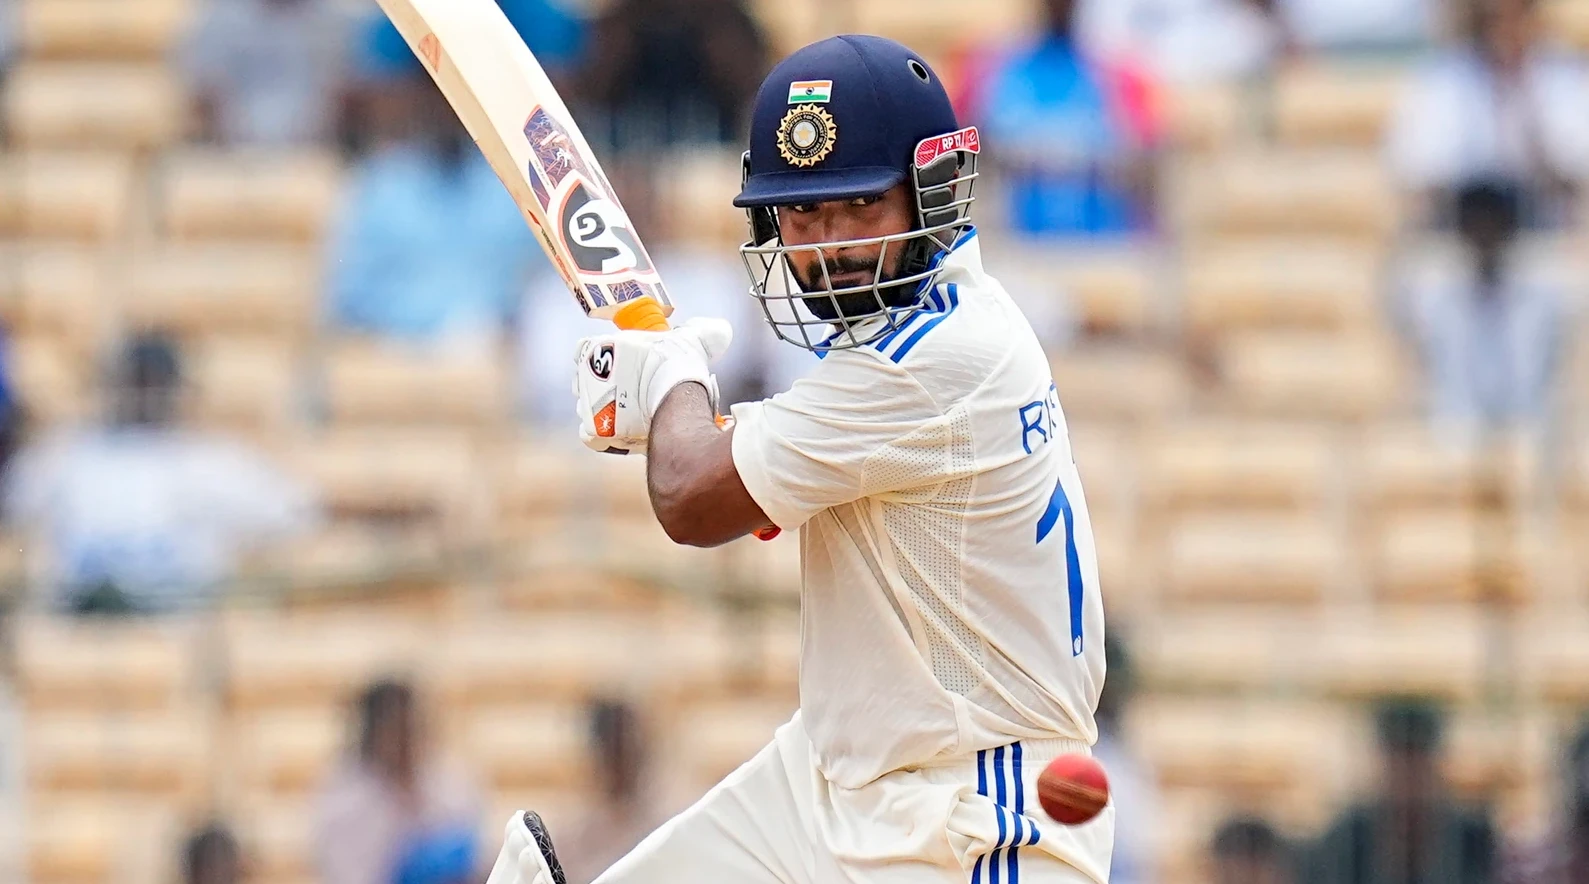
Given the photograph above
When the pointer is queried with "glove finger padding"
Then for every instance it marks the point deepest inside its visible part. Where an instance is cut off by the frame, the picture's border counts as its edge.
(714, 334)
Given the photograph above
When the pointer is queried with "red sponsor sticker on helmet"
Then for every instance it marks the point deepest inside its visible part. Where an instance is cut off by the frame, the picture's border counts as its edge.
(930, 149)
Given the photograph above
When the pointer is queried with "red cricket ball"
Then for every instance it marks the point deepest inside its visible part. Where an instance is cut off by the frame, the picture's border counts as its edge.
(1073, 789)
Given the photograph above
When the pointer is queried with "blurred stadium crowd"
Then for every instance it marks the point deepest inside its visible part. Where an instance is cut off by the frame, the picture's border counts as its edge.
(305, 582)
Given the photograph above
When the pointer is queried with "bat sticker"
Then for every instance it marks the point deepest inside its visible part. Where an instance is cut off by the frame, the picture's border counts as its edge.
(554, 148)
(598, 235)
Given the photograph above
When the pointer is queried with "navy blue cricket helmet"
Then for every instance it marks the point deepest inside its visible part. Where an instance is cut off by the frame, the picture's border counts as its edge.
(843, 118)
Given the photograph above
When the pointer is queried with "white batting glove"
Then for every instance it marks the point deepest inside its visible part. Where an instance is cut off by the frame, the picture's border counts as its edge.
(620, 379)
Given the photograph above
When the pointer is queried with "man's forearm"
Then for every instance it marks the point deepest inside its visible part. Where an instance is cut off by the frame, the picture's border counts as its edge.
(696, 492)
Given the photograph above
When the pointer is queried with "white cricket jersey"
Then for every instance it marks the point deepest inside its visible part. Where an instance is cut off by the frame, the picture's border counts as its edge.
(950, 596)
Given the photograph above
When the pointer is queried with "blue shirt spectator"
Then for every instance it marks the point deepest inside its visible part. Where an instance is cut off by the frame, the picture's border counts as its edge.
(267, 72)
(1490, 324)
(1072, 134)
(141, 514)
(428, 246)
(555, 35)
(7, 29)
(663, 73)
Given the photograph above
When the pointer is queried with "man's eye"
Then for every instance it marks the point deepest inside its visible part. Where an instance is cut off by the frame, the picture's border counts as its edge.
(864, 200)
(805, 209)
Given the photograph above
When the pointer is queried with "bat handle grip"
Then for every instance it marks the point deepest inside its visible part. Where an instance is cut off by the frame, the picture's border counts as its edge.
(641, 314)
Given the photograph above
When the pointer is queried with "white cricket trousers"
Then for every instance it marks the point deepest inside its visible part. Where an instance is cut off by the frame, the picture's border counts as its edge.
(777, 820)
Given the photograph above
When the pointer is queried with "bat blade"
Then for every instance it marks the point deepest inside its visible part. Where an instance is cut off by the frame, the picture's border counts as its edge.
(519, 122)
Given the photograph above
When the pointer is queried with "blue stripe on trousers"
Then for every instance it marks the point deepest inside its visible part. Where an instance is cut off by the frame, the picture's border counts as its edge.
(1020, 809)
(982, 789)
(1003, 861)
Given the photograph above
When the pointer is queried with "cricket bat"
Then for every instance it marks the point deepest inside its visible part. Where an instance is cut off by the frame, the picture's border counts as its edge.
(525, 131)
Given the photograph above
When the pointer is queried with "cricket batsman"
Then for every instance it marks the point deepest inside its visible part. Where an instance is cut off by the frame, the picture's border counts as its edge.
(952, 628)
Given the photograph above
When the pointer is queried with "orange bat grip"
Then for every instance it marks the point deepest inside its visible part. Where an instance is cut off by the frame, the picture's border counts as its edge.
(641, 314)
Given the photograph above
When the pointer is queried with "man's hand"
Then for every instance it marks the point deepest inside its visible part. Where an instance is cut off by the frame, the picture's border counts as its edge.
(620, 379)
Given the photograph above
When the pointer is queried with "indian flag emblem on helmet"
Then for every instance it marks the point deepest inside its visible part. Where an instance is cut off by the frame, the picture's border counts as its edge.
(810, 91)
(806, 135)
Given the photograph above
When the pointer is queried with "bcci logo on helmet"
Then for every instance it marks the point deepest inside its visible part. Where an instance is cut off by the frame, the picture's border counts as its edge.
(806, 135)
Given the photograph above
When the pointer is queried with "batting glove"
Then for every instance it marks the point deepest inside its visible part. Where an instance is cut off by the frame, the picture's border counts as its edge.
(620, 379)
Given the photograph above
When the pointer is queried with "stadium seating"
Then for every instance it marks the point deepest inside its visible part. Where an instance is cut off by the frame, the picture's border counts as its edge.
(1277, 282)
(148, 756)
(1570, 19)
(919, 24)
(74, 195)
(245, 384)
(1243, 191)
(1417, 650)
(62, 293)
(1236, 464)
(100, 105)
(1258, 558)
(717, 737)
(1119, 383)
(109, 667)
(83, 29)
(49, 379)
(402, 471)
(254, 195)
(1335, 104)
(90, 841)
(284, 754)
(1224, 648)
(1203, 118)
(531, 745)
(570, 656)
(1244, 744)
(1439, 557)
(278, 837)
(1311, 375)
(11, 215)
(368, 383)
(314, 662)
(1554, 658)
(232, 288)
(1114, 291)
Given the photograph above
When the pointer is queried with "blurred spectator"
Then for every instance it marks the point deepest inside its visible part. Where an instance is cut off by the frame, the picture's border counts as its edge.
(141, 514)
(552, 31)
(669, 72)
(428, 246)
(1132, 783)
(1357, 26)
(13, 416)
(8, 11)
(625, 810)
(1411, 832)
(1249, 851)
(1184, 41)
(1490, 334)
(267, 72)
(1562, 857)
(390, 813)
(1074, 134)
(1503, 105)
(211, 856)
